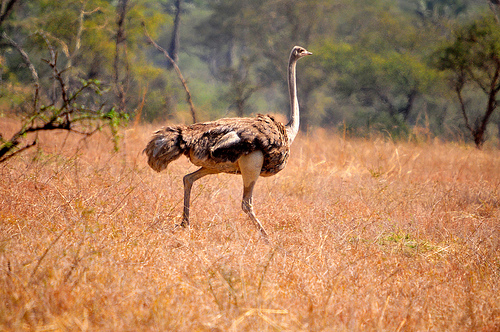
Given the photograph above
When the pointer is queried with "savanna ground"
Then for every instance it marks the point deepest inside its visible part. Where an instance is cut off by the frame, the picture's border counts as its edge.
(366, 235)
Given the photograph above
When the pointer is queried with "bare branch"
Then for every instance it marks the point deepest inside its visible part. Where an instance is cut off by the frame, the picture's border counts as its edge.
(56, 72)
(24, 55)
(65, 117)
(26, 59)
(458, 90)
(177, 70)
(26, 147)
(477, 81)
(494, 8)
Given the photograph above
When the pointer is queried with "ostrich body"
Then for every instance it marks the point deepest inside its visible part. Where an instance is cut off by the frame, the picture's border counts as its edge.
(252, 147)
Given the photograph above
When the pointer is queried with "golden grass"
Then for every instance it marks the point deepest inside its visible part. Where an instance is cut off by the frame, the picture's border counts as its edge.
(366, 235)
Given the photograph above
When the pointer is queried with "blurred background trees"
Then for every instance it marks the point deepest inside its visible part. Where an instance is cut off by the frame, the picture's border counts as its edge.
(391, 66)
(472, 59)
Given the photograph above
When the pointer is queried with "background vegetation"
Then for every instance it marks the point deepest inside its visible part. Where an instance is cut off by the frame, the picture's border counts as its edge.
(379, 65)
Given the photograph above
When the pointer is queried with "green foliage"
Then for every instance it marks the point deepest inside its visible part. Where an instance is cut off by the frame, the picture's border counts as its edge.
(84, 34)
(370, 69)
(472, 60)
(387, 82)
(114, 120)
(474, 50)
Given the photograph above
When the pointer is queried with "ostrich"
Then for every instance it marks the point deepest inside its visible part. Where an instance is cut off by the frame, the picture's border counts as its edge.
(252, 147)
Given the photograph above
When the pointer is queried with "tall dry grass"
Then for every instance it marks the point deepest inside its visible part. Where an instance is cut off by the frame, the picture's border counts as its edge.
(366, 235)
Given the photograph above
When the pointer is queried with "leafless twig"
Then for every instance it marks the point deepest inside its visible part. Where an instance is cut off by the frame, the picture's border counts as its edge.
(177, 70)
(64, 116)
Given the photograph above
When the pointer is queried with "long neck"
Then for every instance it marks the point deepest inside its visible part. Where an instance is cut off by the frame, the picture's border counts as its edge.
(292, 128)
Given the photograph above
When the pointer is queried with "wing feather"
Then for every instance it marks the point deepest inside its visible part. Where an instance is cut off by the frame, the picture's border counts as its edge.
(226, 141)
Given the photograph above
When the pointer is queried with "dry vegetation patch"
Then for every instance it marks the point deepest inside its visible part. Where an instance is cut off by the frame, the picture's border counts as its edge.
(365, 235)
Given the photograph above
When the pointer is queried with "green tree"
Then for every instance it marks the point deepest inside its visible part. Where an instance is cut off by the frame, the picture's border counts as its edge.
(380, 68)
(94, 39)
(472, 61)
(246, 46)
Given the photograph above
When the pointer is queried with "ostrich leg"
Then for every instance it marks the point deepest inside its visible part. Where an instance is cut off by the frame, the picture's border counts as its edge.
(188, 184)
(250, 167)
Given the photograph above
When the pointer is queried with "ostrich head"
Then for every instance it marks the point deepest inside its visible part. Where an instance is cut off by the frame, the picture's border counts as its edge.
(299, 52)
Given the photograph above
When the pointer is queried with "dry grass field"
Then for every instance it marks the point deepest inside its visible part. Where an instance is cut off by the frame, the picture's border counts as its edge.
(366, 235)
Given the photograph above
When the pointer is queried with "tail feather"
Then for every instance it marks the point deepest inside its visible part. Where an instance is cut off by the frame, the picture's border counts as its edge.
(166, 146)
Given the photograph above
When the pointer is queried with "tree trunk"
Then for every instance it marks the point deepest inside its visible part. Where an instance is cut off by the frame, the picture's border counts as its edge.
(405, 110)
(480, 129)
(173, 50)
(6, 9)
(121, 84)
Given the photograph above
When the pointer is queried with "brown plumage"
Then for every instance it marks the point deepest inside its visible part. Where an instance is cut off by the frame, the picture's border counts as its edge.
(219, 144)
(252, 147)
